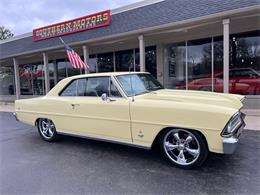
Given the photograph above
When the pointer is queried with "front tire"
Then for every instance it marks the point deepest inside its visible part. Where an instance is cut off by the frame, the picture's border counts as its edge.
(47, 130)
(183, 148)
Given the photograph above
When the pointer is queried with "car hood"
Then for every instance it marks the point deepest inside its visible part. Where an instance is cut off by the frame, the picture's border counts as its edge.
(198, 97)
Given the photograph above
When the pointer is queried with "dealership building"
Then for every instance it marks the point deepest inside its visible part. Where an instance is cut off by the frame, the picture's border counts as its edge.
(210, 45)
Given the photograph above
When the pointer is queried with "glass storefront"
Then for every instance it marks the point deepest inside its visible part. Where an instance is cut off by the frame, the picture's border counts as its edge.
(191, 64)
(197, 57)
(7, 80)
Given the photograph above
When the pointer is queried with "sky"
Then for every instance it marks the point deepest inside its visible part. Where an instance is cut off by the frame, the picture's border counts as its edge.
(22, 16)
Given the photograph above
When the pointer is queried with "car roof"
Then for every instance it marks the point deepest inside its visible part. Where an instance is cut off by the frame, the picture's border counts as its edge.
(106, 74)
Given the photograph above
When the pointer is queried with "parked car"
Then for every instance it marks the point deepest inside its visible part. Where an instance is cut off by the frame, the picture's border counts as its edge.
(245, 81)
(135, 109)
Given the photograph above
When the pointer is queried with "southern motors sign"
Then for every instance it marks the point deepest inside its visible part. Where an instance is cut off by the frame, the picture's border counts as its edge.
(72, 26)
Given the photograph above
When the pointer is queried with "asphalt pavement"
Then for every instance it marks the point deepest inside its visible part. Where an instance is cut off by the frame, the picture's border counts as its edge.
(30, 165)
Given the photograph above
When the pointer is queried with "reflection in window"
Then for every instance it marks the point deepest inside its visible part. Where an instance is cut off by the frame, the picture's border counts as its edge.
(200, 65)
(245, 63)
(32, 79)
(96, 86)
(150, 60)
(70, 90)
(124, 60)
(175, 56)
(114, 92)
(92, 64)
(65, 69)
(218, 64)
(7, 86)
(52, 75)
(105, 62)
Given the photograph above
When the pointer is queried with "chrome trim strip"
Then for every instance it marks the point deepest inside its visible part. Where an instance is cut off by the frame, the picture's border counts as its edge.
(105, 140)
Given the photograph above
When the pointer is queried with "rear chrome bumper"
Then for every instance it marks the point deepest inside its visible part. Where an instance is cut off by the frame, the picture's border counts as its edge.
(15, 116)
(230, 144)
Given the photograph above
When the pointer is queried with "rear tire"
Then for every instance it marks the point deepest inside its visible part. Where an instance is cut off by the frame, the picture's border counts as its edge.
(47, 130)
(183, 148)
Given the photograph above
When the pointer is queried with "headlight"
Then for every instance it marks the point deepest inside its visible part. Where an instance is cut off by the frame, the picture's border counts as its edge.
(234, 123)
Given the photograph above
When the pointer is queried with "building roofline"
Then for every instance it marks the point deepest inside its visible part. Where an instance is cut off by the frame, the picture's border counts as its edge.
(134, 6)
(113, 12)
(220, 15)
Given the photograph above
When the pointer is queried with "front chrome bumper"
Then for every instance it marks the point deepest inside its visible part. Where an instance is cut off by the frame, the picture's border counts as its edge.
(230, 144)
(15, 116)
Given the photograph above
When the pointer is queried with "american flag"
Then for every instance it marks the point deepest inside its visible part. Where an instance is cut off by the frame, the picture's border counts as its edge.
(74, 58)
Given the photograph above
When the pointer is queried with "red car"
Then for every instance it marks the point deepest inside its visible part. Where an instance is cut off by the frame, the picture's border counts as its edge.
(245, 81)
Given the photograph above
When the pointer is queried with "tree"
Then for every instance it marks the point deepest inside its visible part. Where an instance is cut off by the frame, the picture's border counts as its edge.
(5, 33)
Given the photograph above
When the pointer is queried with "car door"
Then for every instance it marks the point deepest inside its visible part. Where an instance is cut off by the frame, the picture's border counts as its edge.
(106, 118)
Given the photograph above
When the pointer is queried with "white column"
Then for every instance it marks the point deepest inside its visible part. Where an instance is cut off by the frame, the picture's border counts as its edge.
(142, 53)
(160, 62)
(46, 71)
(17, 78)
(86, 57)
(226, 55)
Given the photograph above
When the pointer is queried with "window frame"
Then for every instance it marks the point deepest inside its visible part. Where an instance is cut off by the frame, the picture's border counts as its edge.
(111, 79)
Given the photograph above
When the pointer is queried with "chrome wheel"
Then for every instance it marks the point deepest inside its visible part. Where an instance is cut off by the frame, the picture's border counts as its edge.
(46, 128)
(181, 147)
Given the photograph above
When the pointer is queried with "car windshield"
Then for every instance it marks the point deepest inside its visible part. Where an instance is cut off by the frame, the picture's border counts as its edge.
(136, 84)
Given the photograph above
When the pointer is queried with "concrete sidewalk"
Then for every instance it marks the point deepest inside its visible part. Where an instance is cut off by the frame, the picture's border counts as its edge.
(252, 115)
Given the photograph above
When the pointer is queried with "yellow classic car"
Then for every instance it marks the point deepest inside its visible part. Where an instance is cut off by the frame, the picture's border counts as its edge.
(134, 109)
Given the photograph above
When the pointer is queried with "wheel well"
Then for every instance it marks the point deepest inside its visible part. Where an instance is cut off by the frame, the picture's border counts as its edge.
(155, 142)
(36, 121)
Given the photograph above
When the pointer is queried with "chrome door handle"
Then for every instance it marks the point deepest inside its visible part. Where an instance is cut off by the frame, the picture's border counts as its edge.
(111, 100)
(73, 105)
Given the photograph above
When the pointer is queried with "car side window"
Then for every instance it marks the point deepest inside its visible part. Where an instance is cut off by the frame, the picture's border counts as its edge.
(70, 90)
(96, 86)
(81, 87)
(114, 92)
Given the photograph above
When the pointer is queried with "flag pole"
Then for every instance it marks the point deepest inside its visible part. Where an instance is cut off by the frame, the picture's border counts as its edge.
(62, 40)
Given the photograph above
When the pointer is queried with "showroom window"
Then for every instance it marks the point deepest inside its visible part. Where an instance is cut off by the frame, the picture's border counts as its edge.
(199, 61)
(65, 69)
(244, 71)
(52, 75)
(244, 77)
(176, 74)
(218, 64)
(32, 79)
(92, 64)
(124, 60)
(7, 81)
(150, 60)
(105, 62)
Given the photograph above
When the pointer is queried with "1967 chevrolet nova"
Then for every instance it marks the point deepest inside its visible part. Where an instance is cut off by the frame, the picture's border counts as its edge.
(134, 109)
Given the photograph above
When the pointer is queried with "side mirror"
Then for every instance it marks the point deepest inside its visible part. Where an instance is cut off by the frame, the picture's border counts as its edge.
(104, 97)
